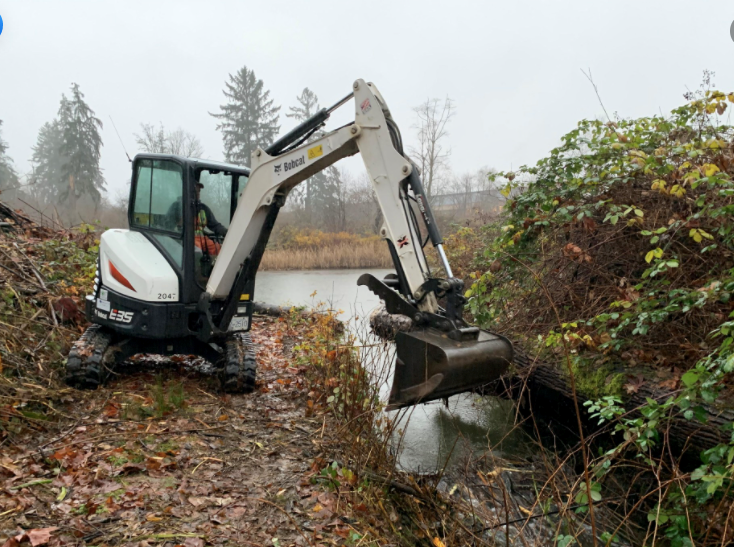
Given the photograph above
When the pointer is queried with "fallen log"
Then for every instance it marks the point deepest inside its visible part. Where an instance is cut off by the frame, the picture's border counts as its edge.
(13, 218)
(270, 309)
(545, 387)
(548, 382)
(273, 310)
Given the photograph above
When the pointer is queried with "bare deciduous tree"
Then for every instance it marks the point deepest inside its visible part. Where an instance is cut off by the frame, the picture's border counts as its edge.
(432, 153)
(160, 141)
(151, 140)
(184, 144)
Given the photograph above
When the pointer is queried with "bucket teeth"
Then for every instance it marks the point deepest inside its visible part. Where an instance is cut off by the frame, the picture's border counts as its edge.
(431, 365)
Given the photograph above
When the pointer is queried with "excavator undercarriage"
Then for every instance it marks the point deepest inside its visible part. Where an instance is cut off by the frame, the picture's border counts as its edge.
(101, 353)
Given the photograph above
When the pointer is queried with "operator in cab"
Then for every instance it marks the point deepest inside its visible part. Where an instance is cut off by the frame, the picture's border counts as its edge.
(206, 219)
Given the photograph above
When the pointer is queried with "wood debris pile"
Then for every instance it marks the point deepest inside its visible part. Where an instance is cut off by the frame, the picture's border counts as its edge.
(44, 275)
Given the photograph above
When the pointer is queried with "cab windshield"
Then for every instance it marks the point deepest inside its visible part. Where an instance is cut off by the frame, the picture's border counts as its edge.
(158, 196)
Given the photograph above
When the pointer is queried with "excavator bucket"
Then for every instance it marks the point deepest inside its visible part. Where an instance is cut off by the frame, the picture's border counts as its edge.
(431, 366)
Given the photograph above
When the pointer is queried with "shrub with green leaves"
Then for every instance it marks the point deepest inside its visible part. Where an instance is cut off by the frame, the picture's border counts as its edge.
(625, 229)
(618, 249)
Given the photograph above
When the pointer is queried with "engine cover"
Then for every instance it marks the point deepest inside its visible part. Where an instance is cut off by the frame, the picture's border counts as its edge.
(132, 266)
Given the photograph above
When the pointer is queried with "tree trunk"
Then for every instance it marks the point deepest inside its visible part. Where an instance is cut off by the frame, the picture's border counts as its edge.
(548, 382)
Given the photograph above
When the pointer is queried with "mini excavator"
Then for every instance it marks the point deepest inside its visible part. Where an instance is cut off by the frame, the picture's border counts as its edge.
(169, 285)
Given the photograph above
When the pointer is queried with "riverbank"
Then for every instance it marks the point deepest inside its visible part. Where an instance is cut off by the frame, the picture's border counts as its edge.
(612, 269)
(163, 457)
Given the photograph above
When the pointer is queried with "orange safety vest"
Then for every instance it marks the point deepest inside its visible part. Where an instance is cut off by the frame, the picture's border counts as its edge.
(200, 240)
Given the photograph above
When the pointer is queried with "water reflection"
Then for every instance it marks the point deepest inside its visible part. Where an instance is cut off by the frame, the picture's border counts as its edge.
(437, 435)
(337, 288)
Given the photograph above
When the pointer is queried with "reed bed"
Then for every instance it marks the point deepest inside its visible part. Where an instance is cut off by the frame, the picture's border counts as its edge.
(365, 254)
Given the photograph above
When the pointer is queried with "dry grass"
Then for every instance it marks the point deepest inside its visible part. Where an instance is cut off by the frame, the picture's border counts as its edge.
(366, 254)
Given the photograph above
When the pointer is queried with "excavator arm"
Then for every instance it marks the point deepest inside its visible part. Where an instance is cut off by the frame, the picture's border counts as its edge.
(273, 176)
(444, 355)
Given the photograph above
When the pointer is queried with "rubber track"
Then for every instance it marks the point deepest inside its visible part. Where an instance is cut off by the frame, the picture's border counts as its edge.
(86, 367)
(238, 368)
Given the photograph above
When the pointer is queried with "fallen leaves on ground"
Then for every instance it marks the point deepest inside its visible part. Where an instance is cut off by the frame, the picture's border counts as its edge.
(37, 536)
(216, 469)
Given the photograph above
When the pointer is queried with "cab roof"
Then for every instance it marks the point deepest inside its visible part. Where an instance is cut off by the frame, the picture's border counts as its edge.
(196, 162)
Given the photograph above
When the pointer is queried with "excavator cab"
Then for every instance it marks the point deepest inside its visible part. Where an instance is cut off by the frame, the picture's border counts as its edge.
(150, 278)
(184, 207)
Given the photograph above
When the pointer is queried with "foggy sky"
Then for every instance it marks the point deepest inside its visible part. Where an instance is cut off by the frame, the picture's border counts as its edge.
(512, 68)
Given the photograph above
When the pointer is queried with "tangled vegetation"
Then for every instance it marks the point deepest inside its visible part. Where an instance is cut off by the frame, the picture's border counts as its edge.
(617, 251)
(44, 276)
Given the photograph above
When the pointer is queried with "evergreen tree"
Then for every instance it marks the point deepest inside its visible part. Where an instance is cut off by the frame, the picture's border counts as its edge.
(248, 119)
(80, 146)
(8, 176)
(321, 192)
(48, 183)
(308, 105)
(331, 200)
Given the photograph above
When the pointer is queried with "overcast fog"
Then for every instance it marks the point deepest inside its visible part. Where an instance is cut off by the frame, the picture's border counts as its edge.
(512, 68)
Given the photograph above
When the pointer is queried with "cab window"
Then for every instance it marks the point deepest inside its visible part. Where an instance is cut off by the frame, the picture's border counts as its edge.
(158, 196)
(217, 194)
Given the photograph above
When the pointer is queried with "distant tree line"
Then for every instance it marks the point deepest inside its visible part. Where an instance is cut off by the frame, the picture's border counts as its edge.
(67, 180)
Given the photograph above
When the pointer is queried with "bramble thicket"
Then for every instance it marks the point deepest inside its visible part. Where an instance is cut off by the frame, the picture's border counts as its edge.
(615, 257)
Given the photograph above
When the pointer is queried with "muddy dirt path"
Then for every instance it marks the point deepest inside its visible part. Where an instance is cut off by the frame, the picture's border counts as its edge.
(165, 459)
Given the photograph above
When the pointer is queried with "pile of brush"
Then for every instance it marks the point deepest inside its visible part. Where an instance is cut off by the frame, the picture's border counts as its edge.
(44, 275)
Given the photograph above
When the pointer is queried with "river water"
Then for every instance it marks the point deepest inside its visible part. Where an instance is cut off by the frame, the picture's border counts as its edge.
(433, 434)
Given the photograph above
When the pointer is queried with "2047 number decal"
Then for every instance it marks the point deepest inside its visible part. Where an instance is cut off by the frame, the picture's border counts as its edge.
(167, 296)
